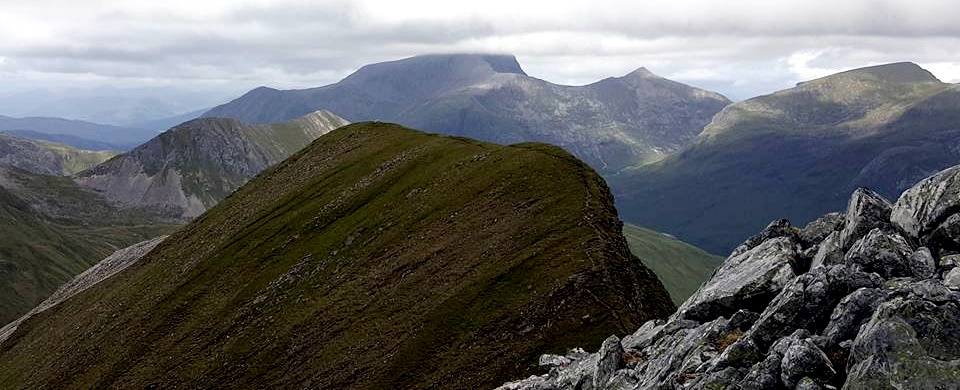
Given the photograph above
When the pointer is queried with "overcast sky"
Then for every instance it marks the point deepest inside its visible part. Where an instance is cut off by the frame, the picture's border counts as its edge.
(740, 48)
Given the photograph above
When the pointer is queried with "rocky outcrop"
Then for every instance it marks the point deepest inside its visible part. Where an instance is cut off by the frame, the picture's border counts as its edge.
(47, 158)
(878, 308)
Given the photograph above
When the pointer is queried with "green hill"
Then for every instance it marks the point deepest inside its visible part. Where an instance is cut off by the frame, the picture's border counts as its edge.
(51, 230)
(680, 266)
(377, 257)
(797, 154)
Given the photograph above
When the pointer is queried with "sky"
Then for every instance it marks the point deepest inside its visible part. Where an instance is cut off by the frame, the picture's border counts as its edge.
(739, 48)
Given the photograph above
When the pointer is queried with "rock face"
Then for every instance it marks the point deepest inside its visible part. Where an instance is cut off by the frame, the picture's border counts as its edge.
(612, 124)
(193, 166)
(47, 158)
(883, 313)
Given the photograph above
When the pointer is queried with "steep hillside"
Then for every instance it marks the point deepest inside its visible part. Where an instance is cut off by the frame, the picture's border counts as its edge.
(680, 266)
(52, 230)
(869, 299)
(193, 166)
(377, 257)
(797, 153)
(47, 158)
(64, 139)
(122, 137)
(611, 124)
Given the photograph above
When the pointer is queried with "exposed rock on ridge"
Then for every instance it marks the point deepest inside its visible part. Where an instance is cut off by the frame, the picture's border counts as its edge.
(106, 268)
(883, 312)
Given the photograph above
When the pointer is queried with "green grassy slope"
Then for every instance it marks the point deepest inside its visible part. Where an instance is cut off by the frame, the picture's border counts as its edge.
(798, 154)
(680, 266)
(52, 230)
(377, 257)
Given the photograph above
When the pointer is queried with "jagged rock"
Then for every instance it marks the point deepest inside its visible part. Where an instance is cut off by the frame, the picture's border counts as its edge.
(947, 263)
(766, 373)
(643, 336)
(609, 361)
(928, 203)
(828, 252)
(807, 302)
(952, 279)
(910, 342)
(946, 237)
(552, 362)
(808, 383)
(804, 359)
(748, 280)
(818, 230)
(889, 255)
(778, 228)
(866, 211)
(849, 314)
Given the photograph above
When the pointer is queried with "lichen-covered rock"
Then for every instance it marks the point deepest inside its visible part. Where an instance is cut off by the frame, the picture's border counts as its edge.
(778, 228)
(849, 314)
(806, 303)
(747, 280)
(945, 238)
(889, 255)
(610, 360)
(910, 342)
(866, 211)
(952, 279)
(928, 203)
(828, 252)
(818, 230)
(804, 359)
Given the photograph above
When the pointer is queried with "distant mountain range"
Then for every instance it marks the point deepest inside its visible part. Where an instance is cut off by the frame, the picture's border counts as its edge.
(346, 266)
(191, 167)
(611, 124)
(797, 153)
(47, 158)
(77, 133)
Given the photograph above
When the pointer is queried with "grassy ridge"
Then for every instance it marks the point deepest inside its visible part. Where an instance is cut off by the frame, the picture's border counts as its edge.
(377, 257)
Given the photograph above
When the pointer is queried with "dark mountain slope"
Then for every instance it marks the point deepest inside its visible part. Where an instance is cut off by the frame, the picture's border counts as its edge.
(612, 124)
(376, 257)
(193, 166)
(797, 153)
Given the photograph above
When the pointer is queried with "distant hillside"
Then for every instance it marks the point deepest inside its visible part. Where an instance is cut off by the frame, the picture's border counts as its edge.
(114, 135)
(193, 166)
(797, 153)
(680, 266)
(47, 158)
(377, 257)
(611, 124)
(51, 230)
(65, 139)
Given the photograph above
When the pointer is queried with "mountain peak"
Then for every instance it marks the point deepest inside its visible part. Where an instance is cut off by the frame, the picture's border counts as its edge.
(641, 72)
(897, 72)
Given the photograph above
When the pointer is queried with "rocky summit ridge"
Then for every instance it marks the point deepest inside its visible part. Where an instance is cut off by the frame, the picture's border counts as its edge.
(869, 299)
